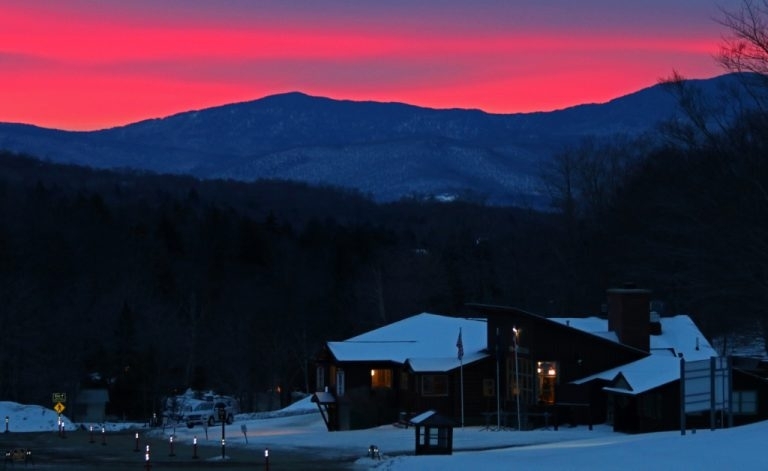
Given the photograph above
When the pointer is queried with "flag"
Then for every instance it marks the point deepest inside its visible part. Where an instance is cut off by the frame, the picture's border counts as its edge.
(460, 346)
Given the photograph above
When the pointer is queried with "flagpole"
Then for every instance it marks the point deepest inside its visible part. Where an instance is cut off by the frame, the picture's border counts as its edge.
(517, 382)
(461, 374)
(460, 354)
(498, 385)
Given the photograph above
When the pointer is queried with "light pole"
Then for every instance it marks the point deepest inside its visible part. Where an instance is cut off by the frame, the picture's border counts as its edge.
(223, 418)
(516, 336)
(498, 383)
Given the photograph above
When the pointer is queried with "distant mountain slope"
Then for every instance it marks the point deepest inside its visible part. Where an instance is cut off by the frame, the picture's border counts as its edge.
(388, 150)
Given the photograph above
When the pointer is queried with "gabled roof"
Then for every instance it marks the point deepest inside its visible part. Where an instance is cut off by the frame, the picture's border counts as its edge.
(641, 375)
(679, 335)
(427, 342)
(431, 417)
(591, 325)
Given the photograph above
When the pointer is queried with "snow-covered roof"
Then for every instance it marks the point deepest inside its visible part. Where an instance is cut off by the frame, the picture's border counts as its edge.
(679, 335)
(422, 417)
(641, 375)
(427, 365)
(593, 325)
(426, 341)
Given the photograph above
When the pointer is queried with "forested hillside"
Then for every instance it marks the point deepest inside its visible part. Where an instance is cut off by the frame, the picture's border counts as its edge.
(164, 282)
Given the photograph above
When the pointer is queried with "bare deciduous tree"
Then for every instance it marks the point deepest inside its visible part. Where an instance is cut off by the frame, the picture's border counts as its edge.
(745, 48)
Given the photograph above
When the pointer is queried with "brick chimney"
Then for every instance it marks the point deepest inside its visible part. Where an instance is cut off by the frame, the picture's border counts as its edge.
(629, 315)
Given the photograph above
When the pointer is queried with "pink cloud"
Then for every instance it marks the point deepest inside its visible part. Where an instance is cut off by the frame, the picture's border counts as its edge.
(109, 65)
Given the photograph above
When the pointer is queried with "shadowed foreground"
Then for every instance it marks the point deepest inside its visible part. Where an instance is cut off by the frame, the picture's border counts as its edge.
(118, 451)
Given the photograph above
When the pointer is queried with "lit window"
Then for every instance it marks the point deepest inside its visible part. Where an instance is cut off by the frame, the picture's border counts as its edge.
(381, 378)
(546, 372)
(434, 385)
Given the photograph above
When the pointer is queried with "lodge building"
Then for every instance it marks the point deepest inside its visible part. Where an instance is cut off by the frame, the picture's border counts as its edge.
(517, 369)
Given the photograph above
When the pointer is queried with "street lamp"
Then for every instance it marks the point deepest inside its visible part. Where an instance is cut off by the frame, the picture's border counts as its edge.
(223, 417)
(516, 338)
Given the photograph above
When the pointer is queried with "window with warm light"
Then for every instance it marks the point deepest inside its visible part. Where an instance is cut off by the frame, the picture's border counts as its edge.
(381, 378)
(546, 372)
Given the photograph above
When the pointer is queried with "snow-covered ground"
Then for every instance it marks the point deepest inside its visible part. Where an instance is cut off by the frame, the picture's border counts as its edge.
(300, 427)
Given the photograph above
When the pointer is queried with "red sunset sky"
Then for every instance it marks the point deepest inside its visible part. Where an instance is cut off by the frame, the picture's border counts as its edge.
(86, 64)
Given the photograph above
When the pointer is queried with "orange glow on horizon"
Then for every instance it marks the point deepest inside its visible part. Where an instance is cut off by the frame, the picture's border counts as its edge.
(70, 71)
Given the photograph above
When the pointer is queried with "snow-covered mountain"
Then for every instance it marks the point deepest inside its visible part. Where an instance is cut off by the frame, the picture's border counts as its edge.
(387, 150)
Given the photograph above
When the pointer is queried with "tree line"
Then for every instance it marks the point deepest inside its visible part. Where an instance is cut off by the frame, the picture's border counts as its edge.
(158, 283)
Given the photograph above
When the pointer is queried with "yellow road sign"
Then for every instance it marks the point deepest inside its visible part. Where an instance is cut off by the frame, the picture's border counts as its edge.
(59, 408)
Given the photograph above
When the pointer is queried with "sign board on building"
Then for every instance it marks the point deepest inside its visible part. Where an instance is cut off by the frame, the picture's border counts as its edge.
(705, 385)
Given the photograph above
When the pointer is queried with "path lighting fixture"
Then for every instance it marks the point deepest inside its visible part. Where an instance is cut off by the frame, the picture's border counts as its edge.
(147, 463)
(223, 419)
